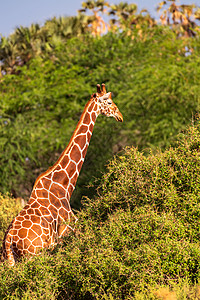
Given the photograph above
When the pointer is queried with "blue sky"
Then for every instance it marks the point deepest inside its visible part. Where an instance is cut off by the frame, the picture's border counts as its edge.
(14, 13)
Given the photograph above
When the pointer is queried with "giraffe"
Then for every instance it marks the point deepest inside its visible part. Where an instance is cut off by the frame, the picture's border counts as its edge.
(47, 216)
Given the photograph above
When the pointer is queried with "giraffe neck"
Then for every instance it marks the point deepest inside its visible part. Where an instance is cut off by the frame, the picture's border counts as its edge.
(66, 170)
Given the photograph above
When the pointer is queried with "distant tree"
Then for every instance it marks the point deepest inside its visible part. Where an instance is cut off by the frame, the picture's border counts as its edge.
(8, 55)
(181, 18)
(97, 26)
(126, 17)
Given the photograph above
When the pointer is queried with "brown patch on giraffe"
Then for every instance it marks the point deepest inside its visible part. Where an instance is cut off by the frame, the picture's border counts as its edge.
(93, 118)
(22, 212)
(35, 219)
(80, 166)
(70, 189)
(30, 211)
(54, 211)
(44, 211)
(24, 251)
(31, 200)
(54, 226)
(64, 213)
(61, 229)
(44, 223)
(35, 205)
(80, 140)
(57, 190)
(46, 183)
(26, 217)
(31, 249)
(95, 107)
(26, 224)
(65, 182)
(61, 177)
(71, 169)
(51, 233)
(19, 218)
(64, 161)
(82, 129)
(19, 246)
(75, 153)
(33, 195)
(46, 231)
(58, 176)
(58, 168)
(86, 119)
(49, 219)
(44, 201)
(16, 222)
(53, 200)
(88, 136)
(49, 175)
(44, 238)
(15, 238)
(91, 127)
(84, 151)
(17, 226)
(22, 233)
(39, 185)
(37, 242)
(14, 232)
(26, 243)
(90, 108)
(60, 220)
(37, 212)
(65, 204)
(36, 228)
(42, 193)
(74, 179)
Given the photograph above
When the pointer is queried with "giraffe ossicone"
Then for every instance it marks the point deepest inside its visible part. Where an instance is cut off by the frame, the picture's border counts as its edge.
(47, 216)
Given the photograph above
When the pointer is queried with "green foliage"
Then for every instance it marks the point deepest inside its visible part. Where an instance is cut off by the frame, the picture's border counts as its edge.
(9, 208)
(155, 85)
(138, 236)
(141, 232)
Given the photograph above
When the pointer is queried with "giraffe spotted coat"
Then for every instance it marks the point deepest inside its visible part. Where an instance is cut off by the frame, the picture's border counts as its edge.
(48, 216)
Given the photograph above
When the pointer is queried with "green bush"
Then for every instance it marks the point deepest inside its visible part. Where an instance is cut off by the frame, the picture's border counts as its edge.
(141, 233)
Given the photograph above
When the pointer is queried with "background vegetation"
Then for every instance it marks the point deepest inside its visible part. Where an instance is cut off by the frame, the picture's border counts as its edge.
(155, 82)
(138, 233)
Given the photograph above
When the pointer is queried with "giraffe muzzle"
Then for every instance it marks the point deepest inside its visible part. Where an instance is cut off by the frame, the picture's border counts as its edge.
(118, 116)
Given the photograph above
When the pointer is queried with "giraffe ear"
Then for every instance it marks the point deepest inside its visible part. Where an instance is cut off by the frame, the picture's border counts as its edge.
(103, 88)
(98, 89)
(106, 96)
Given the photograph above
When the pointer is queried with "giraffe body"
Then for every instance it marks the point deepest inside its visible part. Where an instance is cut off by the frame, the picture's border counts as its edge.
(48, 216)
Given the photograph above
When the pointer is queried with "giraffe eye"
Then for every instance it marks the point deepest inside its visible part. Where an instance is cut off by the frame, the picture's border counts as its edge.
(109, 101)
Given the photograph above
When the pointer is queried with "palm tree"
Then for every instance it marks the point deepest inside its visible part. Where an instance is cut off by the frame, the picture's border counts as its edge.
(8, 55)
(181, 18)
(30, 41)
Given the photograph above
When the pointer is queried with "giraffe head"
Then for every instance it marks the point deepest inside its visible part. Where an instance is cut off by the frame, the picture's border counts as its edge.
(106, 106)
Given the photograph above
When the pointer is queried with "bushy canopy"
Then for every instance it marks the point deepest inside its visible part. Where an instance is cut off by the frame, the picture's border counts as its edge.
(142, 231)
